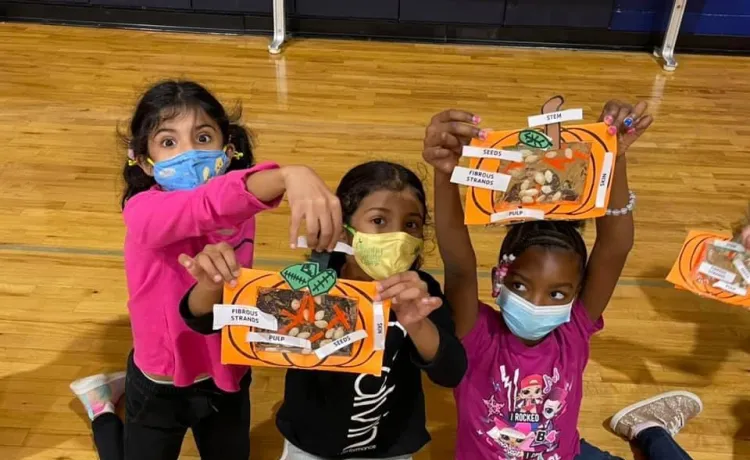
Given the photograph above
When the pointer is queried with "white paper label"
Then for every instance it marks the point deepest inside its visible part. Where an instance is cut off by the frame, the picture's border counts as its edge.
(729, 246)
(732, 288)
(338, 344)
(742, 268)
(243, 315)
(517, 214)
(555, 117)
(340, 247)
(601, 191)
(379, 325)
(717, 272)
(278, 339)
(480, 179)
(483, 152)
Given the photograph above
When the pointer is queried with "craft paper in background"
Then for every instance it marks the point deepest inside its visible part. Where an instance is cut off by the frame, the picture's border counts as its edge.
(706, 262)
(554, 172)
(310, 305)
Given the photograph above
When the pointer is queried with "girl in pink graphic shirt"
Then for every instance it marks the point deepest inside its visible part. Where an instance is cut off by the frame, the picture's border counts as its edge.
(521, 396)
(190, 181)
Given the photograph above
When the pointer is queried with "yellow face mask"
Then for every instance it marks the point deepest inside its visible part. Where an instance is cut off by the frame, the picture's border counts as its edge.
(382, 255)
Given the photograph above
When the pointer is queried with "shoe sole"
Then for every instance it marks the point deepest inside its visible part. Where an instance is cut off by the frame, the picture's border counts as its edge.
(86, 384)
(618, 416)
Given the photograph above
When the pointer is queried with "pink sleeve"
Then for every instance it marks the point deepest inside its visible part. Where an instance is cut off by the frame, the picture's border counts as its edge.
(156, 218)
(579, 319)
(484, 333)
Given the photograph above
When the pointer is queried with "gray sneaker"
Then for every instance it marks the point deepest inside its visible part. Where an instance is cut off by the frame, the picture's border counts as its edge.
(670, 411)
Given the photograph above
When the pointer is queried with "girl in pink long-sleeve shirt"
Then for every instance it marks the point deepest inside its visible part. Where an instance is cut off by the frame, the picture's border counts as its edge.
(190, 181)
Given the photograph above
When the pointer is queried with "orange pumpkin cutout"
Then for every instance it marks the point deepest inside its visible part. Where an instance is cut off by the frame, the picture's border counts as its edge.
(298, 309)
(686, 275)
(564, 173)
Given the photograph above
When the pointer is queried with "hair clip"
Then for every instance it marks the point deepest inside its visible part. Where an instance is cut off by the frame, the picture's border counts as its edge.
(131, 158)
(238, 155)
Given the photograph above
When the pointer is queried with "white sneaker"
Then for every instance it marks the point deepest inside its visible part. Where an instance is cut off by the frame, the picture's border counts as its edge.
(99, 393)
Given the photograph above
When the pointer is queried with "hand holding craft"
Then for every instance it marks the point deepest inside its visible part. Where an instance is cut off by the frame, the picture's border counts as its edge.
(213, 266)
(446, 135)
(311, 200)
(746, 237)
(628, 122)
(410, 299)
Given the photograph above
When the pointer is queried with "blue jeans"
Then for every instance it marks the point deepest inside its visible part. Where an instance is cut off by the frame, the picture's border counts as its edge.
(655, 443)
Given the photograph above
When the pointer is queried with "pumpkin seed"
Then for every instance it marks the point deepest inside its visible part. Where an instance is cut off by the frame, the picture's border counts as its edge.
(304, 335)
(321, 324)
(294, 331)
(339, 333)
(320, 315)
(329, 333)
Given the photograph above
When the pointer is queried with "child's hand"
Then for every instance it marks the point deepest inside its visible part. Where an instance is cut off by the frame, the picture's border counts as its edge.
(409, 297)
(627, 121)
(213, 266)
(746, 237)
(311, 200)
(446, 135)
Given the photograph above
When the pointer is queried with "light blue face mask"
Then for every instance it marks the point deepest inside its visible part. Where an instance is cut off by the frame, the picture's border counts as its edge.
(188, 170)
(529, 321)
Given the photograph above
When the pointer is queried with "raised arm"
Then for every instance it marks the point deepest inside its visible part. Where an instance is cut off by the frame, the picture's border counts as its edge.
(447, 133)
(614, 233)
(157, 219)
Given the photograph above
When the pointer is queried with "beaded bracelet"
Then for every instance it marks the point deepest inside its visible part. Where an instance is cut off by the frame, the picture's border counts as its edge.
(626, 209)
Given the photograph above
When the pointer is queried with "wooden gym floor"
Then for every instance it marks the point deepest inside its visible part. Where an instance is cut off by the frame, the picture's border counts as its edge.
(332, 104)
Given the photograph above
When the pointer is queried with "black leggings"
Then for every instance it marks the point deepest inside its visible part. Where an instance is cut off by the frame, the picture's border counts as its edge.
(157, 417)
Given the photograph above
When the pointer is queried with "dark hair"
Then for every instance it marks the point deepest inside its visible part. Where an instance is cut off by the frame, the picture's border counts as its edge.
(366, 178)
(564, 235)
(164, 101)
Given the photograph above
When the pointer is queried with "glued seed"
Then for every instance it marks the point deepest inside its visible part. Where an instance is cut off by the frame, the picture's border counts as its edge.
(320, 315)
(539, 178)
(569, 154)
(295, 304)
(548, 176)
(294, 331)
(557, 196)
(325, 342)
(527, 200)
(525, 185)
(303, 335)
(541, 199)
(321, 324)
(551, 154)
(531, 159)
(546, 189)
(339, 333)
(530, 192)
(329, 333)
(525, 153)
(517, 173)
(306, 315)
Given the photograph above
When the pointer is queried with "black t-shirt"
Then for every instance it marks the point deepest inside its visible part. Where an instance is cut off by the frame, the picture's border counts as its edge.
(342, 415)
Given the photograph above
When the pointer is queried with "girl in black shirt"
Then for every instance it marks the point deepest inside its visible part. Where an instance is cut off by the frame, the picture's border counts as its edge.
(341, 415)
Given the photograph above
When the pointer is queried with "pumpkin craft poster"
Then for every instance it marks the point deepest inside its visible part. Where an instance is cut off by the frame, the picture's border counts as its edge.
(309, 319)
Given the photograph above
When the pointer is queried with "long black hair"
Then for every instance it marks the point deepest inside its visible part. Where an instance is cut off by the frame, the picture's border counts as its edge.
(370, 177)
(164, 101)
(565, 235)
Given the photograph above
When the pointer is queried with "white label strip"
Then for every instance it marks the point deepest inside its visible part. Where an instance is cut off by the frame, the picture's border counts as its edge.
(483, 152)
(717, 272)
(555, 117)
(337, 344)
(243, 315)
(278, 339)
(379, 325)
(601, 191)
(729, 246)
(340, 246)
(517, 214)
(480, 179)
(732, 288)
(742, 268)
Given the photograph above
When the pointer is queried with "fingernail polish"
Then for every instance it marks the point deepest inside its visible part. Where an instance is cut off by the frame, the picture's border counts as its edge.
(608, 119)
(233, 283)
(217, 278)
(476, 119)
(483, 134)
(631, 130)
(612, 130)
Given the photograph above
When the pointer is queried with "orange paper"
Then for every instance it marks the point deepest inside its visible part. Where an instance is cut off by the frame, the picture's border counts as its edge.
(485, 206)
(364, 357)
(684, 272)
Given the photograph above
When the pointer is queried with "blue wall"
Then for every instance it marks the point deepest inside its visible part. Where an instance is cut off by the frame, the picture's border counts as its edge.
(702, 17)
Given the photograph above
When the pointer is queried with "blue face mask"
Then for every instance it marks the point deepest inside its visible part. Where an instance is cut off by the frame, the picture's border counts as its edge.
(529, 321)
(188, 170)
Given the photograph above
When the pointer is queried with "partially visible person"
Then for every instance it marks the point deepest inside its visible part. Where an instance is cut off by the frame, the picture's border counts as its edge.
(190, 181)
